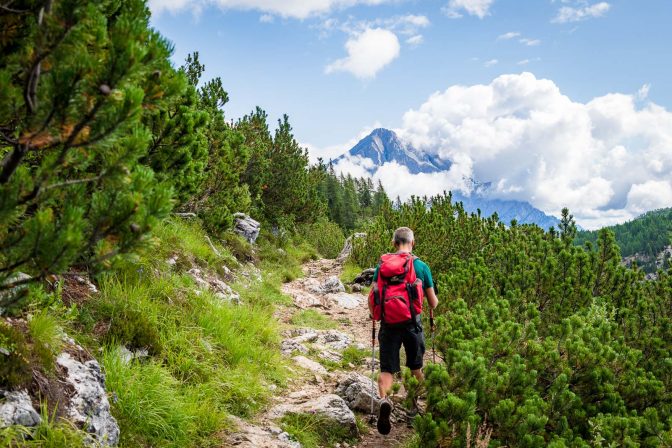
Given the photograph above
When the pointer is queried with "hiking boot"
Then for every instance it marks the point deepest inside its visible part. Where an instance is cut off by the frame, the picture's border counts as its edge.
(384, 425)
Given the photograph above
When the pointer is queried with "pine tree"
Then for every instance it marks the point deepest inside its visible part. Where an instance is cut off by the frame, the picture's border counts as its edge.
(75, 79)
(287, 192)
(259, 141)
(223, 190)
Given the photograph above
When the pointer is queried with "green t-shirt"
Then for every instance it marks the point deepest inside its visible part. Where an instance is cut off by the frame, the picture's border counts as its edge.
(422, 271)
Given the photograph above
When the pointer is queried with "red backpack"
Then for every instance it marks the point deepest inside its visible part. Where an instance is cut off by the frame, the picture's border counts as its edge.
(396, 297)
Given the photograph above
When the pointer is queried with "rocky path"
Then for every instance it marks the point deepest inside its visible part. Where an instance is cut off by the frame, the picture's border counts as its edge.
(325, 384)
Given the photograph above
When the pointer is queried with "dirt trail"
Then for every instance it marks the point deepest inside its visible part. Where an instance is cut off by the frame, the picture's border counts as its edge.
(350, 313)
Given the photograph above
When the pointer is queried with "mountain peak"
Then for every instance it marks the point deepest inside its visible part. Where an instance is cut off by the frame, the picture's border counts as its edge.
(384, 146)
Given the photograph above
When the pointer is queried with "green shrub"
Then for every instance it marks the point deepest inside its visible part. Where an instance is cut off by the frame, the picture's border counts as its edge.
(325, 235)
(541, 343)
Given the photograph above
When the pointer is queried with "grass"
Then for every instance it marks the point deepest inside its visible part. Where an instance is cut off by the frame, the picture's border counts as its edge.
(313, 430)
(208, 358)
(355, 356)
(350, 271)
(313, 319)
(48, 434)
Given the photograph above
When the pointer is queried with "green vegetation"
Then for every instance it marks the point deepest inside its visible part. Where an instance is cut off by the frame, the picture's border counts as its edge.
(542, 342)
(314, 431)
(209, 358)
(326, 236)
(312, 319)
(49, 434)
(646, 235)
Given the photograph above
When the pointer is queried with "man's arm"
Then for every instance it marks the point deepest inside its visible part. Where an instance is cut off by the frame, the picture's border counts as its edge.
(431, 297)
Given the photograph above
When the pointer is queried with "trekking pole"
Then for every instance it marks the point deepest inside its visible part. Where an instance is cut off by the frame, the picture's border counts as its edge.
(373, 363)
(431, 329)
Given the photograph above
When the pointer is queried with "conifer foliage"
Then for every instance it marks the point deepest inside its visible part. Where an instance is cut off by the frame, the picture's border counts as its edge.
(542, 342)
(75, 79)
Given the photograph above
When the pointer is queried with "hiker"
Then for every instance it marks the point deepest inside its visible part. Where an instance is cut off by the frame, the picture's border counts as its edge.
(401, 280)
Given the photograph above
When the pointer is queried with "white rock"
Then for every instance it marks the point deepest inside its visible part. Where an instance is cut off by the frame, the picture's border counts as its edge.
(356, 390)
(17, 409)
(86, 282)
(345, 300)
(313, 285)
(334, 339)
(246, 227)
(347, 247)
(89, 406)
(251, 436)
(332, 285)
(289, 346)
(309, 364)
(330, 406)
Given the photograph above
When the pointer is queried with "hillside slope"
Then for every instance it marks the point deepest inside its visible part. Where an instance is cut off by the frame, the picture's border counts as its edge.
(644, 239)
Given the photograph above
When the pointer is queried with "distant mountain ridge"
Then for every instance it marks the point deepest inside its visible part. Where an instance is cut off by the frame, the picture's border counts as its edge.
(384, 146)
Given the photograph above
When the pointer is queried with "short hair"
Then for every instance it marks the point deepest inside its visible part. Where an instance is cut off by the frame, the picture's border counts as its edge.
(403, 235)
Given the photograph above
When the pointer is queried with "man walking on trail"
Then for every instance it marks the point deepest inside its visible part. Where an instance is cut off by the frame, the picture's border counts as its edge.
(401, 281)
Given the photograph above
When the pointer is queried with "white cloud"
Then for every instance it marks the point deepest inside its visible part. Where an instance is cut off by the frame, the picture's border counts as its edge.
(368, 53)
(407, 25)
(297, 9)
(643, 92)
(576, 14)
(415, 40)
(266, 18)
(491, 62)
(455, 8)
(523, 40)
(650, 195)
(508, 36)
(523, 62)
(608, 159)
(530, 42)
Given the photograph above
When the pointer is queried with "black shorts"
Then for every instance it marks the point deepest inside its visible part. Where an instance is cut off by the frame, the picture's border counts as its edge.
(391, 338)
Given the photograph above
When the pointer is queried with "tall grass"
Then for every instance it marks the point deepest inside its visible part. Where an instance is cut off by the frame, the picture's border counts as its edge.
(208, 358)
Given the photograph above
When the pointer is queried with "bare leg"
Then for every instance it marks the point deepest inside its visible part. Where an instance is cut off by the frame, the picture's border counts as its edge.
(418, 374)
(385, 381)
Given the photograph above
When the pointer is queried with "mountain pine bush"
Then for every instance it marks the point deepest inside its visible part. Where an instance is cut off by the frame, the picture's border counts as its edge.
(541, 342)
(75, 80)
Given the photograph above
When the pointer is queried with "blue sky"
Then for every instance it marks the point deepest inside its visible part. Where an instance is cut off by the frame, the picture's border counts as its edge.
(291, 56)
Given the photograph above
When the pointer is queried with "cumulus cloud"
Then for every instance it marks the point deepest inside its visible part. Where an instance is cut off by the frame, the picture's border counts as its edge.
(650, 195)
(368, 53)
(479, 8)
(576, 14)
(297, 9)
(608, 159)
